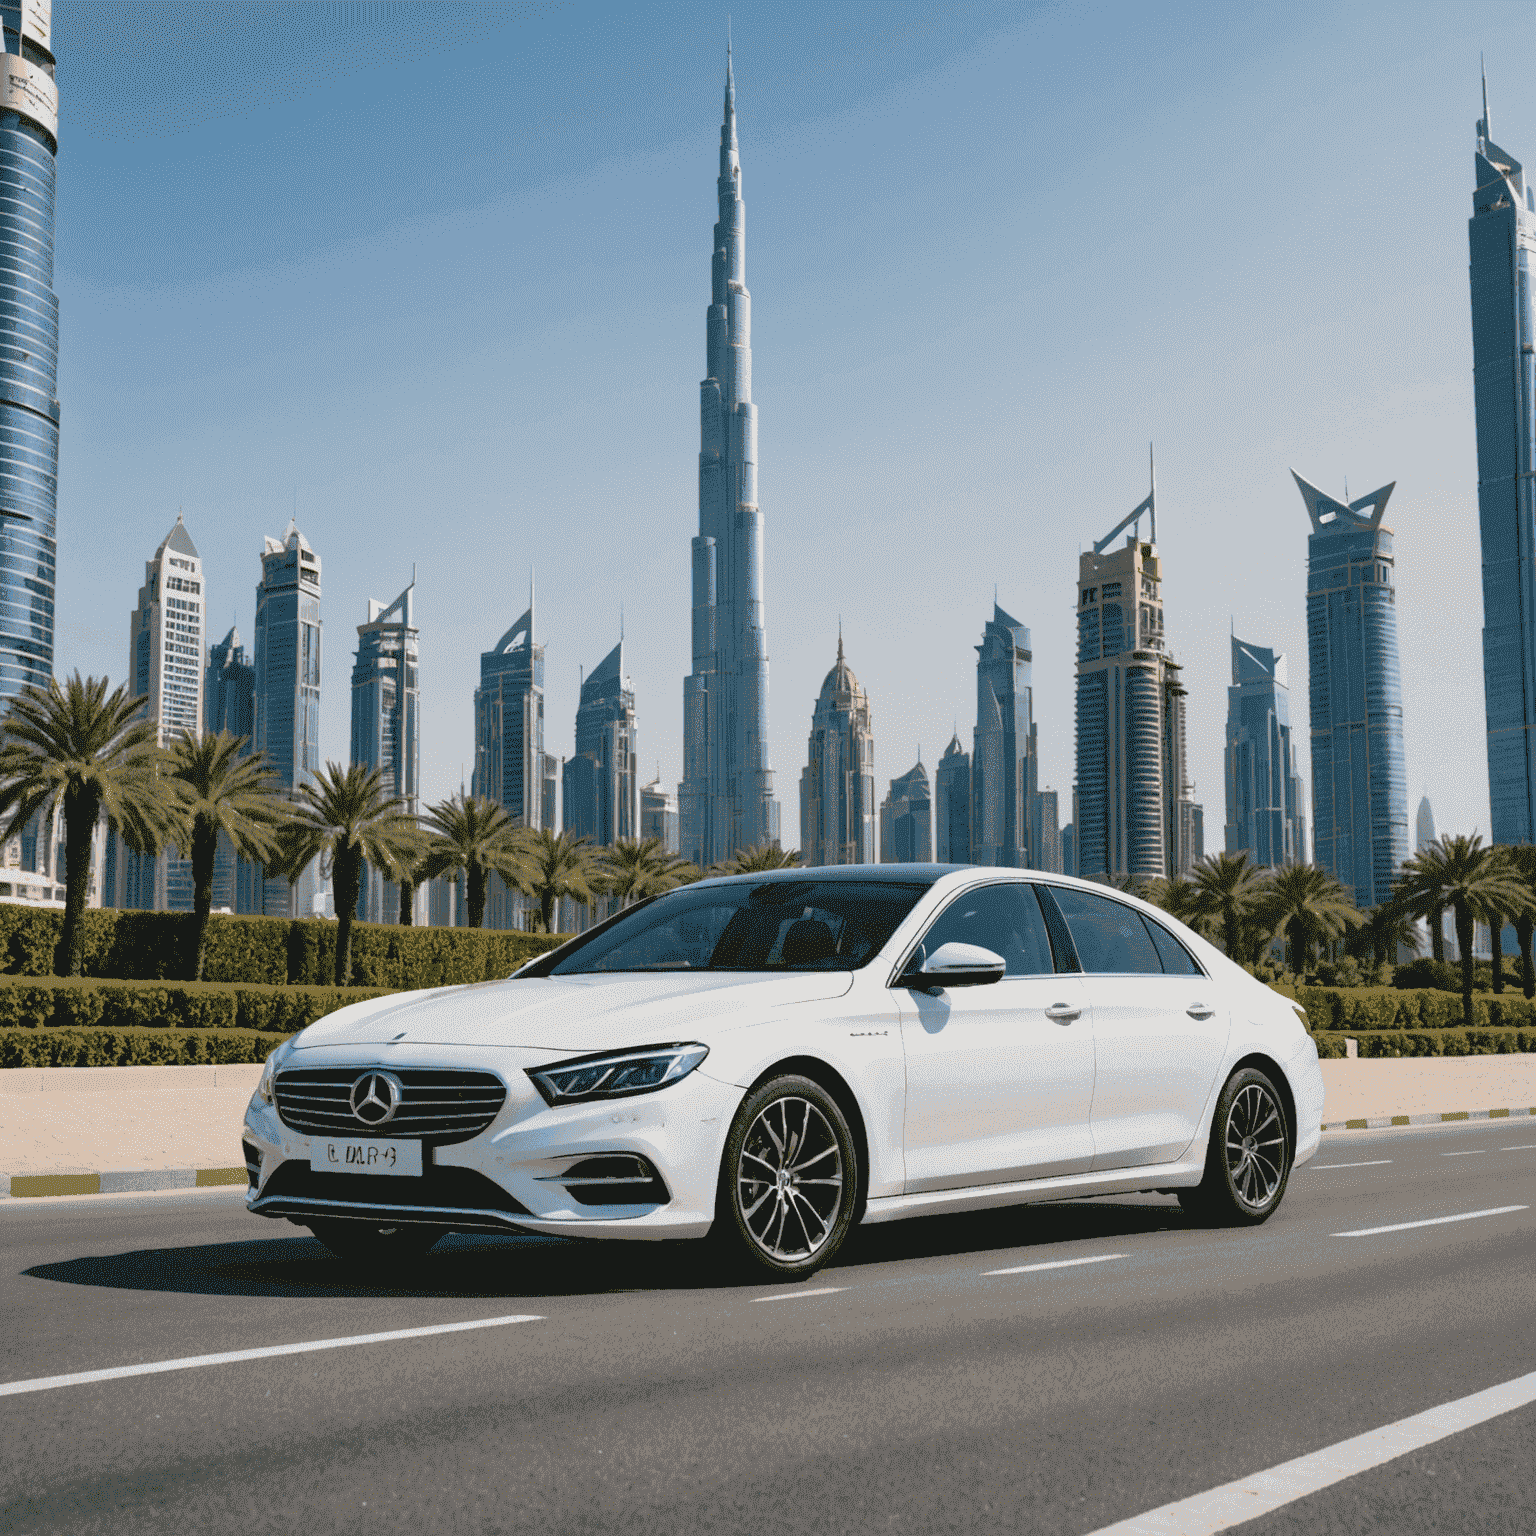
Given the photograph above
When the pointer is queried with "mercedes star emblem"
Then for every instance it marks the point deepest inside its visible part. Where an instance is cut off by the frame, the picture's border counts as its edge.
(375, 1097)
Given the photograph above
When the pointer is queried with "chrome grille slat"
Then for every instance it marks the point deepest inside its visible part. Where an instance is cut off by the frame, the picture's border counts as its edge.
(438, 1105)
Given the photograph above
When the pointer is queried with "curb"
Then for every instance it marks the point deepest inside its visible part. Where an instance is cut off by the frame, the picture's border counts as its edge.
(115, 1181)
(1386, 1122)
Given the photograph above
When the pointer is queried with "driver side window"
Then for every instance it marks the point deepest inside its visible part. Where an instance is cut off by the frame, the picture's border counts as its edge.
(1004, 918)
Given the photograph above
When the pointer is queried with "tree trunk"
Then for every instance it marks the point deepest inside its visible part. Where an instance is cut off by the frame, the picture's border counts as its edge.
(1525, 929)
(407, 903)
(346, 884)
(1437, 934)
(1463, 914)
(1496, 942)
(474, 893)
(1230, 932)
(1293, 945)
(205, 845)
(547, 909)
(80, 811)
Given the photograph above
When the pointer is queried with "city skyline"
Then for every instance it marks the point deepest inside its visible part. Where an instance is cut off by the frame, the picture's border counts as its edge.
(922, 708)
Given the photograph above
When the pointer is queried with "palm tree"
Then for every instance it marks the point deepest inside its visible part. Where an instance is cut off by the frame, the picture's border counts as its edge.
(1522, 858)
(223, 792)
(344, 818)
(756, 859)
(633, 868)
(1496, 912)
(1227, 889)
(1387, 928)
(1473, 881)
(1310, 906)
(555, 864)
(474, 835)
(85, 750)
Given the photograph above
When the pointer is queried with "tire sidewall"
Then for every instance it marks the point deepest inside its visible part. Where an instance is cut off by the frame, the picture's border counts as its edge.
(734, 1243)
(1218, 1188)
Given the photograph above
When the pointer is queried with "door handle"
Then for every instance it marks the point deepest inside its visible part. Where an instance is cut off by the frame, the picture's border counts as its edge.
(1199, 1011)
(1063, 1013)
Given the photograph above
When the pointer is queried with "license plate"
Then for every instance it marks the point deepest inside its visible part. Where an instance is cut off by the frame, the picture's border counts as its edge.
(370, 1155)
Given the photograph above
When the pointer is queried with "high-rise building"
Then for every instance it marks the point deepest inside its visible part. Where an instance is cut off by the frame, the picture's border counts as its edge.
(952, 803)
(1069, 849)
(1266, 800)
(906, 819)
(1424, 826)
(1045, 831)
(1135, 812)
(229, 704)
(1502, 234)
(658, 814)
(29, 344)
(1359, 783)
(600, 787)
(165, 668)
(725, 800)
(1004, 759)
(287, 693)
(837, 785)
(386, 723)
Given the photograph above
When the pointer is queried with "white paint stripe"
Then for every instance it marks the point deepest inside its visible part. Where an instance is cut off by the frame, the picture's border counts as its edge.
(1433, 1221)
(1379, 1162)
(1263, 1492)
(195, 1362)
(1470, 1152)
(1524, 1146)
(821, 1290)
(1030, 1269)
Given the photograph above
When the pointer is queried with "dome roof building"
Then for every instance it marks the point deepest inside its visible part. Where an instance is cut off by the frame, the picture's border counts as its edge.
(837, 785)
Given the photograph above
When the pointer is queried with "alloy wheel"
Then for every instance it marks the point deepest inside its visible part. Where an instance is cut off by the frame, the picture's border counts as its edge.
(789, 1179)
(1255, 1145)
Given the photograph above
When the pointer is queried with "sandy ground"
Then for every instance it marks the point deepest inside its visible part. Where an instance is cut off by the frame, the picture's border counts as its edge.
(88, 1120)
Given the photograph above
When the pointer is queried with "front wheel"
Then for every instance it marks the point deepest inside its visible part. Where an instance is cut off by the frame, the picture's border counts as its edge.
(1249, 1157)
(362, 1242)
(788, 1181)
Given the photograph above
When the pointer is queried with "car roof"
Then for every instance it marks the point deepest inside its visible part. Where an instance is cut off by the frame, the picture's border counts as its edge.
(892, 874)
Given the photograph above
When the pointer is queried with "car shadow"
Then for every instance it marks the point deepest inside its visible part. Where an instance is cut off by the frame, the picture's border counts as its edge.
(511, 1267)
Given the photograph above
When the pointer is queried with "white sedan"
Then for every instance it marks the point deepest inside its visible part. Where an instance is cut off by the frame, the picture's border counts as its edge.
(767, 1060)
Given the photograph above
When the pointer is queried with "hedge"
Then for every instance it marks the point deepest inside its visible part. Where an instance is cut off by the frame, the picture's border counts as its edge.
(274, 951)
(130, 1047)
(1367, 1008)
(56, 1002)
(1428, 1042)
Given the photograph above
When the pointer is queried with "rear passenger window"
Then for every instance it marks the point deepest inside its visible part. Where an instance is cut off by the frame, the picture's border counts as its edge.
(1110, 939)
(1177, 960)
(1003, 918)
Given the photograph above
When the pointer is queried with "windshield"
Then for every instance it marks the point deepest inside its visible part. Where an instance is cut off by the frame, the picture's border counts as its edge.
(778, 925)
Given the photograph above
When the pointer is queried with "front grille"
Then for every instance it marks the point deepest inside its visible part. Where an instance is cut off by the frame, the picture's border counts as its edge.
(438, 1106)
(449, 1197)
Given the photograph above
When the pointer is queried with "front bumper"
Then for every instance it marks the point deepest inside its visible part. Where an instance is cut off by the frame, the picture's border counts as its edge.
(508, 1178)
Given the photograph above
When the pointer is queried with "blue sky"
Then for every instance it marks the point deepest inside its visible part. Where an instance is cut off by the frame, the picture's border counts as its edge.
(436, 277)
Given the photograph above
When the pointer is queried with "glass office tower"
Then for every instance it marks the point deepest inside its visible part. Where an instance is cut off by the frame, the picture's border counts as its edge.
(600, 784)
(1359, 785)
(1005, 754)
(1266, 806)
(906, 819)
(29, 348)
(229, 704)
(952, 804)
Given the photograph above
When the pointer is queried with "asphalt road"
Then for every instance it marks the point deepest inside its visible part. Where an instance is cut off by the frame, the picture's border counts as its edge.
(905, 1388)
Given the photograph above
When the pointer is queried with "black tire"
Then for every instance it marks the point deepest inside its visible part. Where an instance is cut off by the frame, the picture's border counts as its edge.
(769, 1226)
(1248, 1161)
(361, 1242)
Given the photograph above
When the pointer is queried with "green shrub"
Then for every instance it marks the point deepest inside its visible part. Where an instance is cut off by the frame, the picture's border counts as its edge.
(1429, 1042)
(1427, 972)
(272, 951)
(95, 1047)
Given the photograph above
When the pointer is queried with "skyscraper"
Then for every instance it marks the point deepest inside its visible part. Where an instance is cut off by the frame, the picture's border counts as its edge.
(287, 692)
(1424, 826)
(386, 723)
(165, 666)
(1135, 814)
(1359, 784)
(229, 704)
(1501, 235)
(29, 335)
(725, 800)
(1266, 801)
(658, 814)
(952, 802)
(599, 786)
(837, 785)
(1004, 761)
(906, 819)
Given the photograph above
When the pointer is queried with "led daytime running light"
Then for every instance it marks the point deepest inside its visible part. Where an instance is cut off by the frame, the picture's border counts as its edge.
(617, 1074)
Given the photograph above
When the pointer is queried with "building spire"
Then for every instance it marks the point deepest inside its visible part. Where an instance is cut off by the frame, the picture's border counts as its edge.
(1487, 131)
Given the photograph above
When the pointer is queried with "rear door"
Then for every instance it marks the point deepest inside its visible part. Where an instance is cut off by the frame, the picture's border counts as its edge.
(1159, 1028)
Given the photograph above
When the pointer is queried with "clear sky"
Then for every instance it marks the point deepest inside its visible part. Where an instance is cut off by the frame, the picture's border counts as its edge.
(436, 276)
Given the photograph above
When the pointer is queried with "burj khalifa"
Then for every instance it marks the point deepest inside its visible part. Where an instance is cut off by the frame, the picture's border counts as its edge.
(725, 801)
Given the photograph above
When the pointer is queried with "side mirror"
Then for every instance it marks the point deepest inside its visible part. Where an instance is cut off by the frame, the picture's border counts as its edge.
(955, 965)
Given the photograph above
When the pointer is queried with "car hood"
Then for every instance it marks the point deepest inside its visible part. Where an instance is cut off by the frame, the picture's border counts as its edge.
(572, 1013)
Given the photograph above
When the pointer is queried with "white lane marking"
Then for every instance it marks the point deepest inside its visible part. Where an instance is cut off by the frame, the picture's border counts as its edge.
(229, 1357)
(1470, 1152)
(1434, 1221)
(1524, 1146)
(1379, 1162)
(821, 1290)
(1263, 1492)
(1030, 1269)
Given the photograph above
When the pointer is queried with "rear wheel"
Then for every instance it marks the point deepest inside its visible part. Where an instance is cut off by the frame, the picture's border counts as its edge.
(361, 1241)
(788, 1181)
(1249, 1158)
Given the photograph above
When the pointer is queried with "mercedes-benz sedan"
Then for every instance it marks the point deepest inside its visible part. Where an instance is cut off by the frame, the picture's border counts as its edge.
(767, 1060)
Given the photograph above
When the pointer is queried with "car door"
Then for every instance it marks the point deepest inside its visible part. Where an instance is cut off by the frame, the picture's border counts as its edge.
(1000, 1076)
(1159, 1030)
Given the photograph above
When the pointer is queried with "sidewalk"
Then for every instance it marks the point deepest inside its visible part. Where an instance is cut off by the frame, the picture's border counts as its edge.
(96, 1130)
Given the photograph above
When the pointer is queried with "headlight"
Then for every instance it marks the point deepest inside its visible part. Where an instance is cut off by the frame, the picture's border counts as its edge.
(616, 1074)
(264, 1087)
